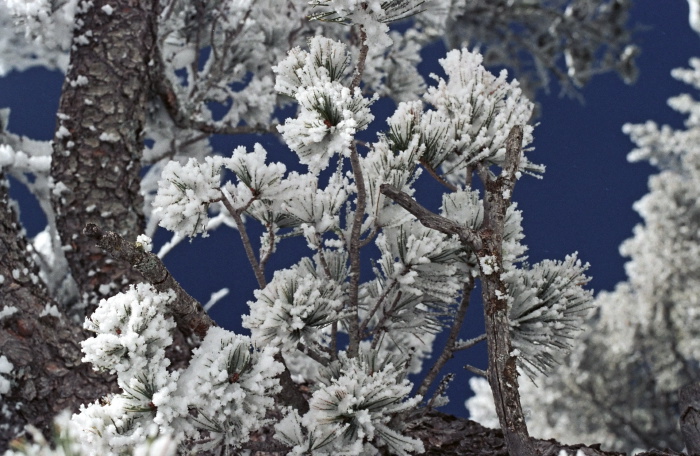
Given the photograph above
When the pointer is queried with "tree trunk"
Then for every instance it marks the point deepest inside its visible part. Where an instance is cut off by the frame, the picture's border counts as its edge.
(96, 173)
(44, 350)
(98, 142)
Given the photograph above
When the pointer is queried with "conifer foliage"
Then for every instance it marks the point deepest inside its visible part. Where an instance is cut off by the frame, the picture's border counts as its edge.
(325, 369)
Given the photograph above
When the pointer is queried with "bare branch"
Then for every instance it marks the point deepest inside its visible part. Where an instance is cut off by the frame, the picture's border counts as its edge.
(502, 371)
(450, 345)
(437, 177)
(360, 61)
(431, 220)
(441, 388)
(477, 371)
(470, 343)
(247, 245)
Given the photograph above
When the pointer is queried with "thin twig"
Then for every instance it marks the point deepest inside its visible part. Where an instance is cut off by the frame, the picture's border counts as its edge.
(449, 349)
(313, 354)
(376, 306)
(437, 177)
(271, 247)
(334, 326)
(431, 220)
(380, 329)
(236, 214)
(354, 252)
(356, 231)
(372, 234)
(442, 387)
(469, 343)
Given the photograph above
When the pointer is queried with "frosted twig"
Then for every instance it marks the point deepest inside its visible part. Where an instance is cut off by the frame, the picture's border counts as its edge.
(364, 49)
(469, 343)
(376, 306)
(247, 245)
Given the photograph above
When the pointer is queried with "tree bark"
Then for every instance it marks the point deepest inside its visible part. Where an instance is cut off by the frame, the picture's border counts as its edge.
(502, 370)
(689, 402)
(98, 141)
(95, 170)
(47, 375)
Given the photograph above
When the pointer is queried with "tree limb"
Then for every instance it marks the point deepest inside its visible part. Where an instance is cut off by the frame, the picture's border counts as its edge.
(190, 316)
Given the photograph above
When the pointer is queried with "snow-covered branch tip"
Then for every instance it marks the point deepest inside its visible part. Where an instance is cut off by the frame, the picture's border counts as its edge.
(187, 311)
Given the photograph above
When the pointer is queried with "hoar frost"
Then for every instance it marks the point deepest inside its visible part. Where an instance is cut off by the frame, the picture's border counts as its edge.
(350, 412)
(226, 394)
(222, 396)
(329, 112)
(294, 307)
(231, 387)
(186, 192)
(473, 113)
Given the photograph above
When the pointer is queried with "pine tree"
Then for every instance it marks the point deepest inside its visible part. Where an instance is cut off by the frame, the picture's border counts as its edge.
(325, 368)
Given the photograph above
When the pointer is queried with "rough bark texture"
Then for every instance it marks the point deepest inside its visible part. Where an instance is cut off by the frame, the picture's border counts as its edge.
(48, 375)
(446, 435)
(502, 371)
(98, 142)
(689, 402)
(187, 311)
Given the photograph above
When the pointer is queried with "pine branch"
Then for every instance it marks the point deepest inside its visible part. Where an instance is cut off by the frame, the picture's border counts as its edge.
(487, 243)
(190, 316)
(431, 220)
(502, 371)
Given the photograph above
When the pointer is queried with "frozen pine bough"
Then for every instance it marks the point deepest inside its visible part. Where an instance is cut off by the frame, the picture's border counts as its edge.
(326, 367)
(358, 395)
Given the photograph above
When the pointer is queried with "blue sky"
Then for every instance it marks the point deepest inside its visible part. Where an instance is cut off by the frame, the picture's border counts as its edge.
(584, 203)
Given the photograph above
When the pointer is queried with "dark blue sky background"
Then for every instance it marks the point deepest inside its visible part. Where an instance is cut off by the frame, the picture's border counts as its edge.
(584, 202)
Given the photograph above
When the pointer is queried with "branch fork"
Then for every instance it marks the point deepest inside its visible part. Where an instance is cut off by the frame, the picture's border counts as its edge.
(487, 242)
